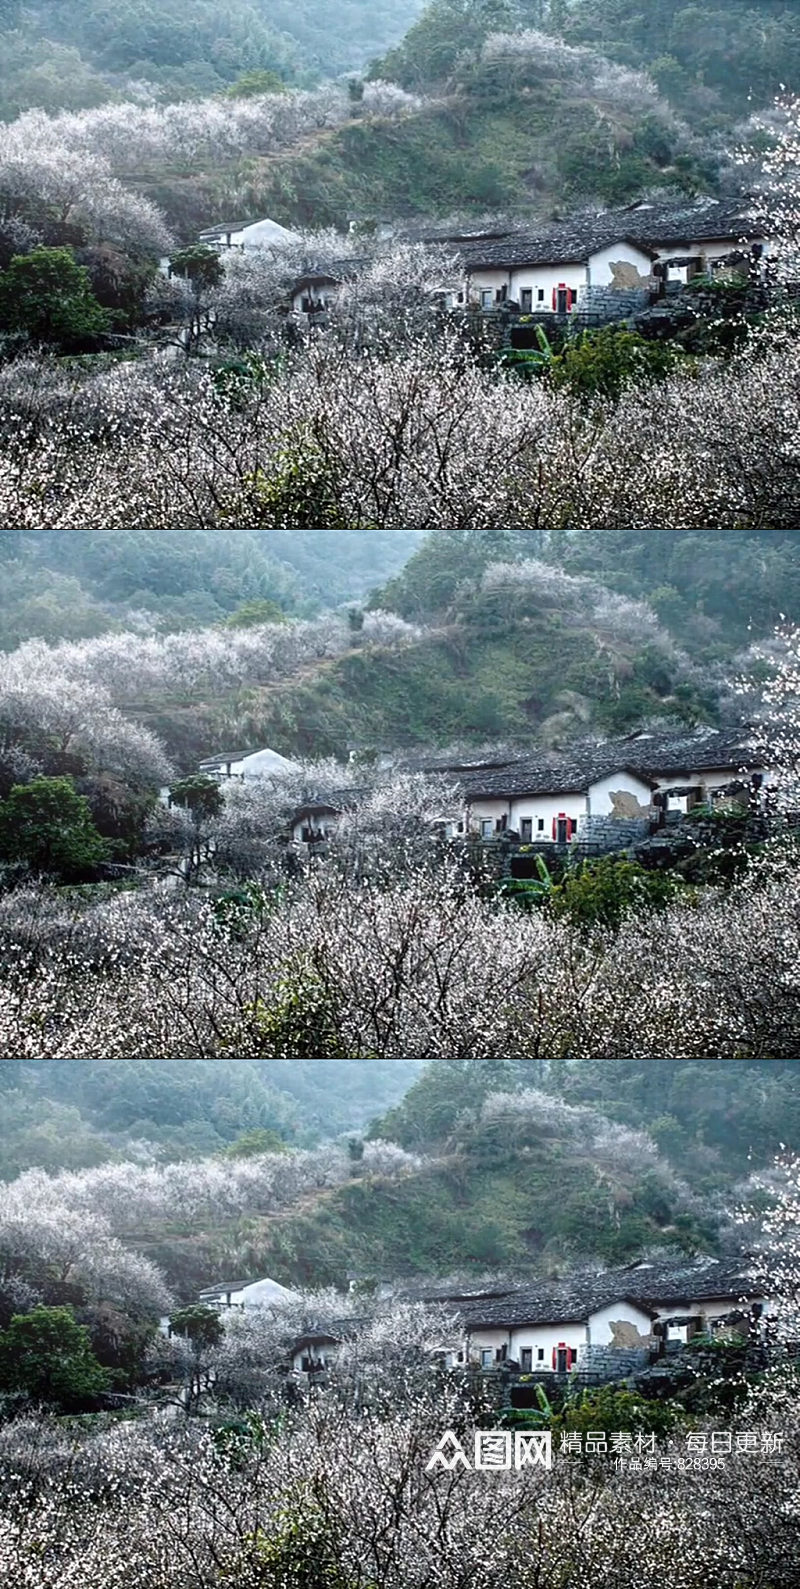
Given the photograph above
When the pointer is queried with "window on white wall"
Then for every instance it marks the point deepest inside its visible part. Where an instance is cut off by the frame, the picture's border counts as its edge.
(540, 295)
(540, 825)
(540, 1354)
(486, 1359)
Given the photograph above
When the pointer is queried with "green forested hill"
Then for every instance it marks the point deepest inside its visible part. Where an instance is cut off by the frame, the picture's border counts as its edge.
(714, 589)
(534, 658)
(719, 59)
(555, 116)
(69, 54)
(69, 1115)
(73, 586)
(552, 1170)
(523, 126)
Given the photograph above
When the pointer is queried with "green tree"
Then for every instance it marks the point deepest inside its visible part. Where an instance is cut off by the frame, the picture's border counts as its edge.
(610, 1408)
(446, 30)
(302, 1548)
(198, 1324)
(48, 296)
(204, 1329)
(49, 826)
(251, 613)
(252, 1143)
(603, 363)
(203, 798)
(300, 1019)
(200, 265)
(601, 893)
(258, 81)
(48, 1355)
(198, 794)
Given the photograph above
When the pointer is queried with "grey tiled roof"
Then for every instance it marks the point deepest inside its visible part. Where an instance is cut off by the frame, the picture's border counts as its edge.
(646, 755)
(647, 226)
(329, 1329)
(649, 1285)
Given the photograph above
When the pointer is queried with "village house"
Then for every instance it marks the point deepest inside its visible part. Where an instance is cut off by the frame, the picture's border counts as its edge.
(244, 764)
(573, 267)
(316, 818)
(639, 778)
(637, 1309)
(646, 778)
(242, 1294)
(604, 1323)
(315, 289)
(248, 234)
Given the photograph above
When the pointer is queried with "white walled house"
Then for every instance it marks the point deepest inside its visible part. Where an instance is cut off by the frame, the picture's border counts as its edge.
(245, 1294)
(640, 1308)
(551, 1344)
(552, 804)
(555, 277)
(241, 764)
(629, 779)
(249, 234)
(557, 270)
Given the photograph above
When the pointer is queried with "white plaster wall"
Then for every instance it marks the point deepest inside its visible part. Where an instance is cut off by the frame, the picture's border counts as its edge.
(711, 1308)
(546, 1336)
(323, 295)
(488, 1339)
(712, 248)
(599, 1326)
(324, 824)
(599, 268)
(325, 1354)
(488, 280)
(708, 779)
(600, 793)
(487, 810)
(547, 277)
(706, 250)
(534, 276)
(546, 807)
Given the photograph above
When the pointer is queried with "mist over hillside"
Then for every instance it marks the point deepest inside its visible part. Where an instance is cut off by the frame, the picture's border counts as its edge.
(71, 587)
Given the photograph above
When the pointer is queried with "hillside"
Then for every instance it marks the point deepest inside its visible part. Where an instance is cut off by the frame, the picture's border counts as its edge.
(482, 1195)
(72, 1116)
(86, 583)
(597, 633)
(477, 110)
(526, 125)
(523, 652)
(57, 54)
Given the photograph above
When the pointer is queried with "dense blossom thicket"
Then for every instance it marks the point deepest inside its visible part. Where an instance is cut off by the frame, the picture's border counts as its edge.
(76, 160)
(419, 965)
(36, 1207)
(343, 1498)
(426, 438)
(132, 666)
(778, 166)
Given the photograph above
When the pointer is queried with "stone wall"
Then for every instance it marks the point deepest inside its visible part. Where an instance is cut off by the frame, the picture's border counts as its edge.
(614, 1362)
(615, 303)
(614, 833)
